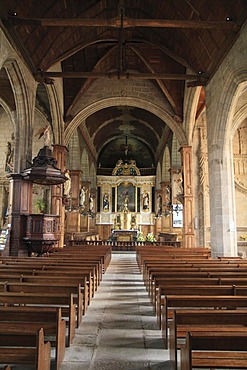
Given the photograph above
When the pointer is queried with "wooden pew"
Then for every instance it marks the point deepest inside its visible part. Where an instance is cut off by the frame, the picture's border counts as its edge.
(84, 277)
(25, 349)
(158, 276)
(87, 251)
(52, 288)
(65, 301)
(33, 318)
(172, 302)
(30, 268)
(202, 320)
(195, 289)
(3, 287)
(221, 350)
(177, 281)
(155, 253)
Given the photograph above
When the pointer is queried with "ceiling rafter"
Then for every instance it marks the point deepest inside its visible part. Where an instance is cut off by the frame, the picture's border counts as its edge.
(125, 23)
(160, 83)
(122, 76)
(84, 87)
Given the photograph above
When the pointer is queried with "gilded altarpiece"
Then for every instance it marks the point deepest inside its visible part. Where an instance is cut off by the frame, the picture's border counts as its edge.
(131, 202)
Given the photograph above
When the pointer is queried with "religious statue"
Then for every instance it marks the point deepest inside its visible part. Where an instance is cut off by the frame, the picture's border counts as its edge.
(67, 184)
(159, 204)
(82, 196)
(126, 203)
(91, 203)
(46, 132)
(177, 184)
(145, 200)
(9, 163)
(133, 222)
(106, 202)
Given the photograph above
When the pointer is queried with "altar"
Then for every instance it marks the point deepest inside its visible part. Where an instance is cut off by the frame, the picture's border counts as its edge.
(124, 235)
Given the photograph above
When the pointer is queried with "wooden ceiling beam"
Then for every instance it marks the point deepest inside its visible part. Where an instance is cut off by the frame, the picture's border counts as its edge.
(122, 75)
(125, 23)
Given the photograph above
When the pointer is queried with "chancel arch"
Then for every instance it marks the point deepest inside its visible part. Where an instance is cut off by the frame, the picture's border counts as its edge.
(125, 101)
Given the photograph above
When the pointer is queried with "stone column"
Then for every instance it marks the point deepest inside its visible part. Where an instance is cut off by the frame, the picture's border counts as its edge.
(188, 206)
(57, 207)
(222, 202)
(20, 206)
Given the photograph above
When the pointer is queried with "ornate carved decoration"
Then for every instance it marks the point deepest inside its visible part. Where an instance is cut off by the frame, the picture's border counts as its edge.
(126, 168)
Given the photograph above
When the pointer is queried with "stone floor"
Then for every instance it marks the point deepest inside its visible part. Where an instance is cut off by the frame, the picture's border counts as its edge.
(119, 330)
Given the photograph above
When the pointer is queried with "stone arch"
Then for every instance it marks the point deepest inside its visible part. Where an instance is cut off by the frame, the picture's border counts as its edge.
(7, 148)
(25, 100)
(9, 112)
(220, 122)
(239, 116)
(57, 119)
(228, 99)
(191, 102)
(123, 101)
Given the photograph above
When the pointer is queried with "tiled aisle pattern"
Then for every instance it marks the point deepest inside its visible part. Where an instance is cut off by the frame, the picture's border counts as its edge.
(119, 330)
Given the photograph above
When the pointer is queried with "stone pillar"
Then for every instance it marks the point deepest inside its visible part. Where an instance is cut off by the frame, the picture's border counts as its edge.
(222, 202)
(57, 207)
(20, 206)
(188, 206)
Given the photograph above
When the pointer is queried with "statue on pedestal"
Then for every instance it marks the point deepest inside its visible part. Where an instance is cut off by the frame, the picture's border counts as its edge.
(67, 184)
(82, 197)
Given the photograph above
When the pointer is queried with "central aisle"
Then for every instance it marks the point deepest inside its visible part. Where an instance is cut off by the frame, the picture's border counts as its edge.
(119, 330)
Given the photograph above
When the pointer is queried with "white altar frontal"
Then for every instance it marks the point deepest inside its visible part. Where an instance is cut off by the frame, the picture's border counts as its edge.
(124, 235)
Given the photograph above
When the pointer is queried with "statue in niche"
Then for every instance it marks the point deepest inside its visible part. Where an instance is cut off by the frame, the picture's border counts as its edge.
(9, 163)
(106, 202)
(126, 203)
(145, 201)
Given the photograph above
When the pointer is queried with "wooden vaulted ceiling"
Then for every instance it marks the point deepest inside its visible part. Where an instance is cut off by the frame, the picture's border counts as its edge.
(169, 42)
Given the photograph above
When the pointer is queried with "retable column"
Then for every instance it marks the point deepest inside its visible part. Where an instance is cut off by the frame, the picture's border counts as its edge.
(57, 207)
(188, 209)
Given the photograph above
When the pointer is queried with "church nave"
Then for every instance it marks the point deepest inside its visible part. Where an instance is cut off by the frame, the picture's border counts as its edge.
(119, 330)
